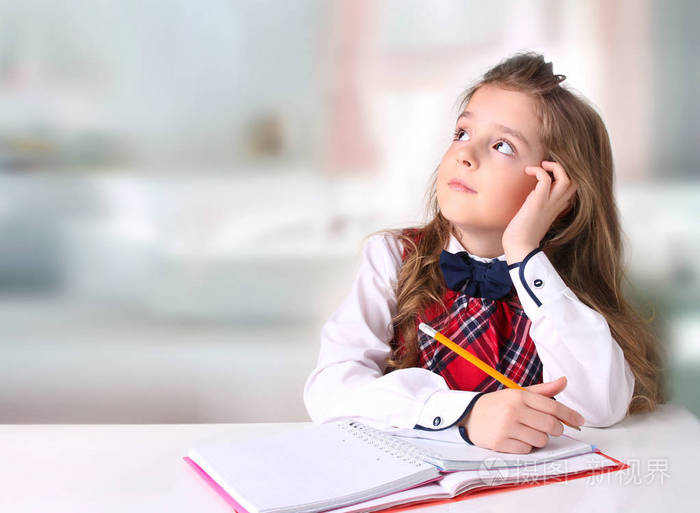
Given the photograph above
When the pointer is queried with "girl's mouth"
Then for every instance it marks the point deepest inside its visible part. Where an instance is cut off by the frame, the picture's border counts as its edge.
(458, 185)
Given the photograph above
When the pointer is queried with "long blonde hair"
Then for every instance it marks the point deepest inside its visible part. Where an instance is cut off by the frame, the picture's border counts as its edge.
(584, 244)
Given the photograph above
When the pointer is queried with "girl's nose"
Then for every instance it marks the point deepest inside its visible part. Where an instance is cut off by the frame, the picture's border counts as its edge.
(465, 157)
(464, 161)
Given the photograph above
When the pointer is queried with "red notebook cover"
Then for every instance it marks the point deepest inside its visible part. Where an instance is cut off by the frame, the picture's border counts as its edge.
(430, 502)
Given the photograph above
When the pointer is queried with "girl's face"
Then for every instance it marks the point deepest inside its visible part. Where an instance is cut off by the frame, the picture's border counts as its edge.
(495, 139)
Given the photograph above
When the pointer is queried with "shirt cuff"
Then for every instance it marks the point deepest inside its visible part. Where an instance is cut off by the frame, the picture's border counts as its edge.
(462, 429)
(444, 409)
(536, 281)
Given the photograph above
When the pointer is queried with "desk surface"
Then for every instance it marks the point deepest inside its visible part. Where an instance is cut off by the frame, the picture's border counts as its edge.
(117, 468)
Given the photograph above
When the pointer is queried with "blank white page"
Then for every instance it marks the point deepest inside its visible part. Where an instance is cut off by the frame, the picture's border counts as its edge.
(307, 466)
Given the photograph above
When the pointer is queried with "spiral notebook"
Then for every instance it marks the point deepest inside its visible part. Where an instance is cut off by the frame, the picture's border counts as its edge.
(347, 466)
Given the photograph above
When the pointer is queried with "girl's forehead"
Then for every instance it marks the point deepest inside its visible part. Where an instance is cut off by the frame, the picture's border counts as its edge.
(510, 111)
(497, 105)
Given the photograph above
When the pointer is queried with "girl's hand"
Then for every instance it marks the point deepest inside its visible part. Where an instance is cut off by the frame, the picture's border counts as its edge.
(541, 207)
(515, 421)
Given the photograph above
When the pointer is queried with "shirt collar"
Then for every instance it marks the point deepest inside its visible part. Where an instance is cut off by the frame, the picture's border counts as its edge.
(454, 246)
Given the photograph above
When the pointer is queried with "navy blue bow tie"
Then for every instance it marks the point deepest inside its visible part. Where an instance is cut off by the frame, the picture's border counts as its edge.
(483, 279)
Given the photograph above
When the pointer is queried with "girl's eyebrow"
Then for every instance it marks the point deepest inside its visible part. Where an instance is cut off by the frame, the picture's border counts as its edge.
(512, 131)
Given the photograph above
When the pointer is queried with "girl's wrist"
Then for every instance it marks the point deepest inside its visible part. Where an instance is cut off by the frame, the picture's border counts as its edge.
(517, 254)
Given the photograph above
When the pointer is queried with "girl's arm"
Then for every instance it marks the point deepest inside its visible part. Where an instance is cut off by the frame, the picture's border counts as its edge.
(573, 340)
(349, 380)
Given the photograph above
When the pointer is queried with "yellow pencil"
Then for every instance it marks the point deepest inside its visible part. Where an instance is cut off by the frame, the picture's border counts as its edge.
(476, 361)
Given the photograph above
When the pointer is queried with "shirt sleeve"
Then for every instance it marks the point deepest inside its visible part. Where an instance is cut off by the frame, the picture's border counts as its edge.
(573, 340)
(349, 381)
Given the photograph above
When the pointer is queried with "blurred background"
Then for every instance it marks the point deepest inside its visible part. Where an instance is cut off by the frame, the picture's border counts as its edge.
(184, 186)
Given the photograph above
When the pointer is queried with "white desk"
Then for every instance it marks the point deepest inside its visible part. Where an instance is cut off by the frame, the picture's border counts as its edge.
(118, 468)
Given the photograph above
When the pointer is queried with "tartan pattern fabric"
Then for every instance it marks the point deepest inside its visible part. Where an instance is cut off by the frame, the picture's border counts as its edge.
(496, 331)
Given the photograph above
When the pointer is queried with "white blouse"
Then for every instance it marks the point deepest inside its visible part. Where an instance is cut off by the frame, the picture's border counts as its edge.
(571, 339)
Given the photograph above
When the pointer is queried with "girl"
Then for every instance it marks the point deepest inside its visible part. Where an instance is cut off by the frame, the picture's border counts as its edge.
(520, 265)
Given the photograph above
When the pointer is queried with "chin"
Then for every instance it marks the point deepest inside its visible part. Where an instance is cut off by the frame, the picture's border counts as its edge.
(460, 220)
(455, 210)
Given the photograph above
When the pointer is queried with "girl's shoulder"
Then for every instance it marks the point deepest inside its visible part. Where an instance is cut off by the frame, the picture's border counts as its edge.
(393, 244)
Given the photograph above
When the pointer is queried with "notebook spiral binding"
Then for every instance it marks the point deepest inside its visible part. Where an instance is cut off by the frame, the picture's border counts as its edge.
(394, 447)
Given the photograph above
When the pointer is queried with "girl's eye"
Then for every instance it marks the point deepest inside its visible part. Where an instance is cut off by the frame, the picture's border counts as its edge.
(512, 152)
(459, 133)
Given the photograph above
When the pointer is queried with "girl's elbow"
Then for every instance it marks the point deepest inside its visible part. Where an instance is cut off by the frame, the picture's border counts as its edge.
(605, 419)
(312, 400)
(620, 399)
(316, 410)
(320, 405)
(322, 412)
(615, 410)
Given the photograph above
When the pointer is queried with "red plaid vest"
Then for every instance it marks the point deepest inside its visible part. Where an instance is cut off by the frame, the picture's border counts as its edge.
(496, 331)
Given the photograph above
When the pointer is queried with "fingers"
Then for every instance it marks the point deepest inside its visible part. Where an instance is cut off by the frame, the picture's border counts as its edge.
(540, 421)
(530, 436)
(549, 388)
(555, 408)
(563, 187)
(544, 181)
(557, 190)
(514, 446)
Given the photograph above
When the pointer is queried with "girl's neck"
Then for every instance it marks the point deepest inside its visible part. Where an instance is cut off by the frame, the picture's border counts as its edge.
(482, 245)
